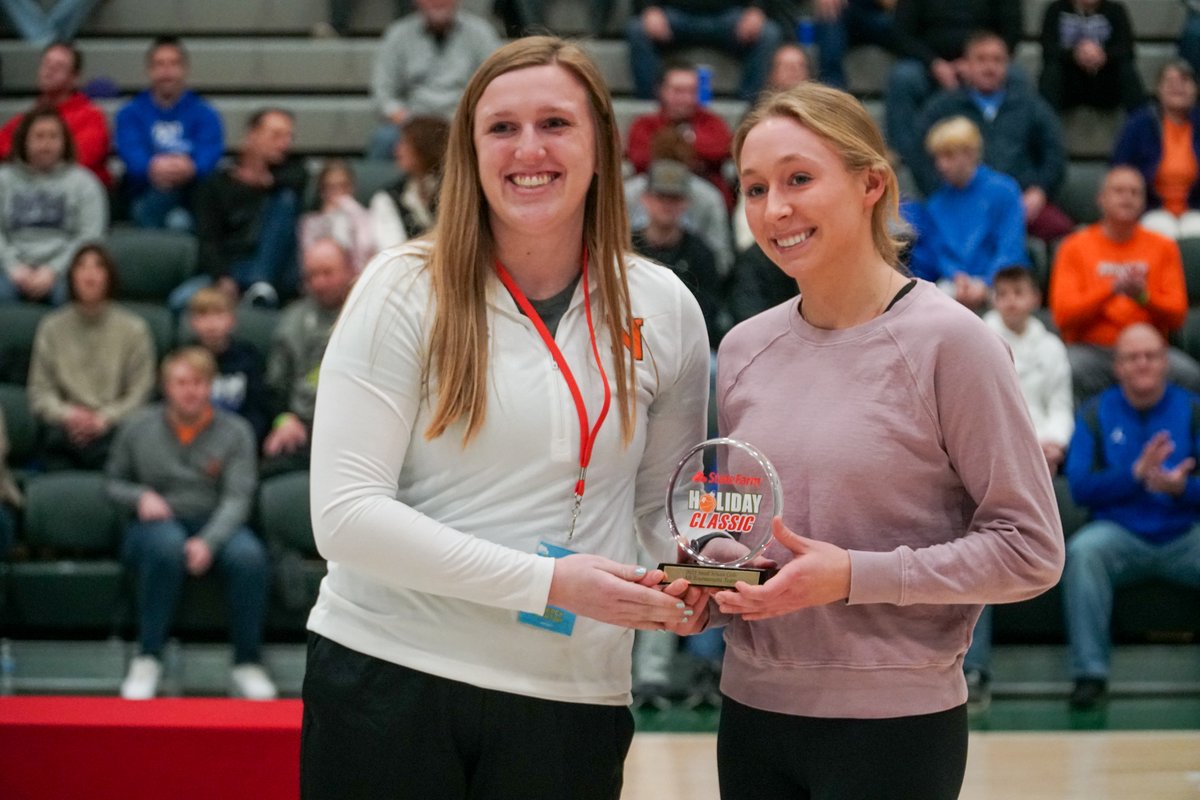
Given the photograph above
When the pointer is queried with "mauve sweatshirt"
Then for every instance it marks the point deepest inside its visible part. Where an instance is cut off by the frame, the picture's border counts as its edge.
(906, 441)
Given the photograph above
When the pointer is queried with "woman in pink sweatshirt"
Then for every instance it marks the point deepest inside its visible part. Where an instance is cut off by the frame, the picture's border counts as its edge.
(915, 490)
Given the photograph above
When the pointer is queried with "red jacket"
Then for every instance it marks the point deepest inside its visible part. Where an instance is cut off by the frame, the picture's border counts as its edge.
(708, 135)
(88, 127)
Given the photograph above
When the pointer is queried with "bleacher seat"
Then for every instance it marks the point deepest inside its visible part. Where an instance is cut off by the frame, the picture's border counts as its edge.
(73, 580)
(1077, 195)
(286, 524)
(18, 326)
(19, 421)
(1187, 338)
(1189, 249)
(1146, 611)
(162, 325)
(257, 326)
(150, 263)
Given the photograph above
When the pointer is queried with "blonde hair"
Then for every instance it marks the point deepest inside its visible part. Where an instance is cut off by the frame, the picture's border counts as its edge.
(461, 258)
(954, 133)
(841, 120)
(196, 357)
(209, 300)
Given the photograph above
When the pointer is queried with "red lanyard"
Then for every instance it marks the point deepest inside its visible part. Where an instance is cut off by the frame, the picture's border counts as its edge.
(587, 436)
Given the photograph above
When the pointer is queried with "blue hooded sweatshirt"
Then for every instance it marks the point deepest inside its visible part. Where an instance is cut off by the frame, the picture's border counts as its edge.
(145, 130)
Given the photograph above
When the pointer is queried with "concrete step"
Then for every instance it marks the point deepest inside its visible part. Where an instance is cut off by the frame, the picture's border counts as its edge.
(311, 66)
(343, 124)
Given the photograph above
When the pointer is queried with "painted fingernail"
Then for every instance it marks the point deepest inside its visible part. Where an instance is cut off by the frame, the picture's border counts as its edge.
(640, 571)
(685, 620)
(681, 605)
(688, 612)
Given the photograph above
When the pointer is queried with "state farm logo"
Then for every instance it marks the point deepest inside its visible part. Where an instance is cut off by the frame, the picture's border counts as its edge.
(728, 480)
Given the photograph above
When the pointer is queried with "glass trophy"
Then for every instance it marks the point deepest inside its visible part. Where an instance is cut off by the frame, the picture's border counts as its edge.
(722, 489)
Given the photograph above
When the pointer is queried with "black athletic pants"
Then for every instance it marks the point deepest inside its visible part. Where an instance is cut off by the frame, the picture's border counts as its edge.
(762, 755)
(375, 730)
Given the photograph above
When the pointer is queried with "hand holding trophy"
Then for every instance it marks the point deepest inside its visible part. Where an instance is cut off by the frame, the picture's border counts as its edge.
(722, 489)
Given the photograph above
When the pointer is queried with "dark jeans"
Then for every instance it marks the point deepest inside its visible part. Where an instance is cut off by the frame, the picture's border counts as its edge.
(59, 452)
(1189, 40)
(856, 25)
(375, 729)
(153, 553)
(712, 30)
(275, 259)
(153, 208)
(762, 755)
(339, 13)
(8, 529)
(1065, 85)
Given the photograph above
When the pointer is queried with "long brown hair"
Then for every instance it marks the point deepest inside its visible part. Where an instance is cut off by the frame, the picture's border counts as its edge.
(840, 119)
(460, 260)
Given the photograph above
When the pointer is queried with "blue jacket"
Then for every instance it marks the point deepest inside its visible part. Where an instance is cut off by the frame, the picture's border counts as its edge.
(1103, 479)
(1139, 144)
(979, 229)
(1025, 140)
(144, 130)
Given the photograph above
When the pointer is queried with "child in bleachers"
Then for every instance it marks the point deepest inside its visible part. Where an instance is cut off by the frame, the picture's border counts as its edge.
(339, 215)
(1040, 357)
(1045, 376)
(239, 385)
(10, 495)
(974, 223)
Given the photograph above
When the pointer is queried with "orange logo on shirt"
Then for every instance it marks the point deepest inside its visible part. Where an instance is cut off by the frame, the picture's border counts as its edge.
(633, 337)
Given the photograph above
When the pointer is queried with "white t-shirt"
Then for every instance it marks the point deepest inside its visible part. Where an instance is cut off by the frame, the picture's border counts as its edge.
(431, 546)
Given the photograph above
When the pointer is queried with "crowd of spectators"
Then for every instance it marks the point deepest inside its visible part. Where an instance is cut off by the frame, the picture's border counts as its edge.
(982, 139)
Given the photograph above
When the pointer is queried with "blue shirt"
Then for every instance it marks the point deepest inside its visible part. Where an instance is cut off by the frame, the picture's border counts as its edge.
(978, 229)
(191, 126)
(1103, 480)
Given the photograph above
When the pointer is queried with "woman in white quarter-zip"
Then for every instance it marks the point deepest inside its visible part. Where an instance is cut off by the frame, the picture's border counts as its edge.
(499, 411)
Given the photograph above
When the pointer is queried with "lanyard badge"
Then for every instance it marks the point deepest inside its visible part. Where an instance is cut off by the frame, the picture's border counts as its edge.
(587, 435)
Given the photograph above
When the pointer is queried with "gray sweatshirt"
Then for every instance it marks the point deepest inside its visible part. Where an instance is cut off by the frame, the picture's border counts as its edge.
(213, 478)
(906, 441)
(294, 362)
(417, 72)
(46, 216)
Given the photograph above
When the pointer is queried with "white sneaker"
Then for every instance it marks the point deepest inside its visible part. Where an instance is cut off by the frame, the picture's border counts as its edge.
(260, 295)
(141, 682)
(251, 682)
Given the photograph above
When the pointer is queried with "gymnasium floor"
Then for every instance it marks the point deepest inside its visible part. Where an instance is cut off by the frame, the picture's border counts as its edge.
(1143, 744)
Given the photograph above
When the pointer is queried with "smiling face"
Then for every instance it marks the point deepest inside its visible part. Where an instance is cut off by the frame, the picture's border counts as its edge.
(536, 145)
(1140, 364)
(804, 207)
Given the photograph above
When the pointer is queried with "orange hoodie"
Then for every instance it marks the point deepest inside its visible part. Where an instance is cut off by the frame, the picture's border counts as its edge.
(1083, 303)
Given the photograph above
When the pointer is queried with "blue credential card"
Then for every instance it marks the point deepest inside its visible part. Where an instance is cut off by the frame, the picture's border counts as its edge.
(555, 620)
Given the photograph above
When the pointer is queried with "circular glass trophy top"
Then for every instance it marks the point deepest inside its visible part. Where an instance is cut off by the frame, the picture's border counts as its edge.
(728, 488)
